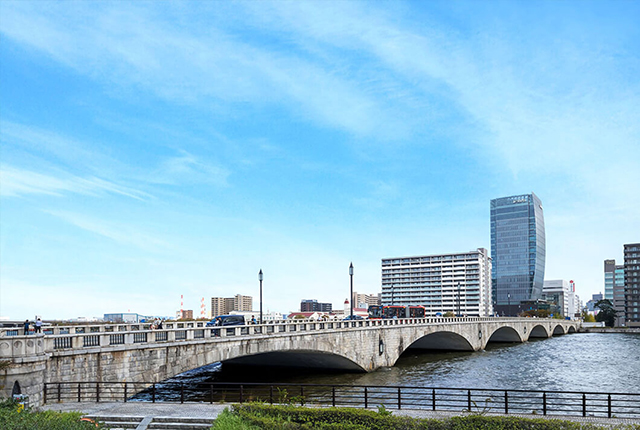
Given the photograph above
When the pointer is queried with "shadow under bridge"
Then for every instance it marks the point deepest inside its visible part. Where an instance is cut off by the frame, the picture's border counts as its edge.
(294, 359)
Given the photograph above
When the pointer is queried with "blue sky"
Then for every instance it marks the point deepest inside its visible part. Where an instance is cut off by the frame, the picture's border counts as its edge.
(153, 149)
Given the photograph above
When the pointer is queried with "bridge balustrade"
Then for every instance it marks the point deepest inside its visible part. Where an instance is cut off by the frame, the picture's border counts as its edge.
(111, 327)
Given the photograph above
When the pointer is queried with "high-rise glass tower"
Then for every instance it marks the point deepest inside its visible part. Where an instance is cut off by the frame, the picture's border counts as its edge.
(517, 250)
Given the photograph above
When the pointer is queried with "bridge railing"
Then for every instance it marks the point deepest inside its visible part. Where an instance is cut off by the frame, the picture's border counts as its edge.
(70, 338)
(113, 327)
(473, 400)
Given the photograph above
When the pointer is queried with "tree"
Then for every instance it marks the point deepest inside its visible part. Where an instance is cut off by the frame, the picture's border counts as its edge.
(538, 313)
(587, 316)
(607, 313)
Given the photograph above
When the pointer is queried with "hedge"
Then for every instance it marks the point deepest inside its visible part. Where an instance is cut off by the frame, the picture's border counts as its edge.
(269, 417)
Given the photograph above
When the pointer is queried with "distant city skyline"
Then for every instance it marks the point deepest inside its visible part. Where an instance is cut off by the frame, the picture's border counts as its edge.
(158, 149)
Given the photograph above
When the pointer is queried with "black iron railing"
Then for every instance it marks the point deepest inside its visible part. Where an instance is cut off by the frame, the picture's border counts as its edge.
(476, 400)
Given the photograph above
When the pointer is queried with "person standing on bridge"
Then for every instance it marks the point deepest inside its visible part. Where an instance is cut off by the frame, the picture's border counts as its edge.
(26, 327)
(38, 326)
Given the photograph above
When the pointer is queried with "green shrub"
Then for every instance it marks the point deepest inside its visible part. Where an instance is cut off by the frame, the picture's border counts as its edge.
(229, 421)
(294, 417)
(289, 417)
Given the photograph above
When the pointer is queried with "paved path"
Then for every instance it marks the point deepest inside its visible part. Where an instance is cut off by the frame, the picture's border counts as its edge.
(211, 411)
(142, 409)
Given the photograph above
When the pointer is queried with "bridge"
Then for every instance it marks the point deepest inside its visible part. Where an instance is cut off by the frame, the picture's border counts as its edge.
(135, 353)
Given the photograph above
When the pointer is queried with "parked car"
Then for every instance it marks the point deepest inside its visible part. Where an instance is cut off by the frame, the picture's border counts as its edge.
(352, 317)
(226, 320)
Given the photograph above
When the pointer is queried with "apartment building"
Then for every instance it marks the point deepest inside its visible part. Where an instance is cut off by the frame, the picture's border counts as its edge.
(458, 283)
(224, 305)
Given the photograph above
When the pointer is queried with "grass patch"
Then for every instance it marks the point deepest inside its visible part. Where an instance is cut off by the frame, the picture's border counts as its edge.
(13, 418)
(266, 417)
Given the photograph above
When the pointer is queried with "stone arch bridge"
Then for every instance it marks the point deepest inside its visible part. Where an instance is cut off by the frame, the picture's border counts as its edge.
(133, 353)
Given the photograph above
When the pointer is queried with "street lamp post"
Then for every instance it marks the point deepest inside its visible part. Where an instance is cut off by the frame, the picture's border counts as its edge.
(458, 299)
(260, 276)
(508, 304)
(392, 295)
(351, 281)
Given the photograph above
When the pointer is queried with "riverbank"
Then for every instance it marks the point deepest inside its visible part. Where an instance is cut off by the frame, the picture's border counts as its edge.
(609, 330)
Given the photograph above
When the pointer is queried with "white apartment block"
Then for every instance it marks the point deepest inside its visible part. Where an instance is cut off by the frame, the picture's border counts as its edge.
(458, 283)
(562, 293)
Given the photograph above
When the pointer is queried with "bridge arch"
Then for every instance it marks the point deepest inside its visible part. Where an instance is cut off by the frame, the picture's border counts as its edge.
(539, 331)
(506, 334)
(572, 329)
(558, 330)
(443, 341)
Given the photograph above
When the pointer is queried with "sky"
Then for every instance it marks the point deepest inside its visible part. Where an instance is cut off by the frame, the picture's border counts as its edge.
(156, 149)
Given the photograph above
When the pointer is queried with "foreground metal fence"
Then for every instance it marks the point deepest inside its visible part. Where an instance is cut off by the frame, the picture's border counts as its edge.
(478, 400)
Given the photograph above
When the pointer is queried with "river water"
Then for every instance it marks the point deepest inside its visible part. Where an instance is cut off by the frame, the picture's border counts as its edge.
(593, 362)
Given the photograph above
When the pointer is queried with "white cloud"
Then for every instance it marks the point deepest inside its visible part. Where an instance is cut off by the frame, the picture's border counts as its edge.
(133, 47)
(188, 169)
(123, 234)
(18, 182)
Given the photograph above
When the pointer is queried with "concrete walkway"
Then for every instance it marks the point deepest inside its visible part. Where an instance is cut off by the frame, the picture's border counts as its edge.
(142, 409)
(188, 411)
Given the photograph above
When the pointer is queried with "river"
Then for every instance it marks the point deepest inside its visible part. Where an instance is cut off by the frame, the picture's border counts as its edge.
(594, 362)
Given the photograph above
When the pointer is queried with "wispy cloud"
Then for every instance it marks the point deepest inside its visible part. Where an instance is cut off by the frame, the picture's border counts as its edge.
(18, 182)
(208, 67)
(121, 233)
(187, 169)
(59, 164)
(59, 150)
(534, 111)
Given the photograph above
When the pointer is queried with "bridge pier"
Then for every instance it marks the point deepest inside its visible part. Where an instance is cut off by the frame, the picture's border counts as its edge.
(27, 370)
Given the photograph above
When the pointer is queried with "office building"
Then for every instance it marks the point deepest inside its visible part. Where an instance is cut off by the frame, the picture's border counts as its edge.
(614, 288)
(458, 283)
(632, 284)
(591, 304)
(314, 306)
(577, 304)
(517, 251)
(123, 317)
(562, 294)
(365, 300)
(224, 305)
